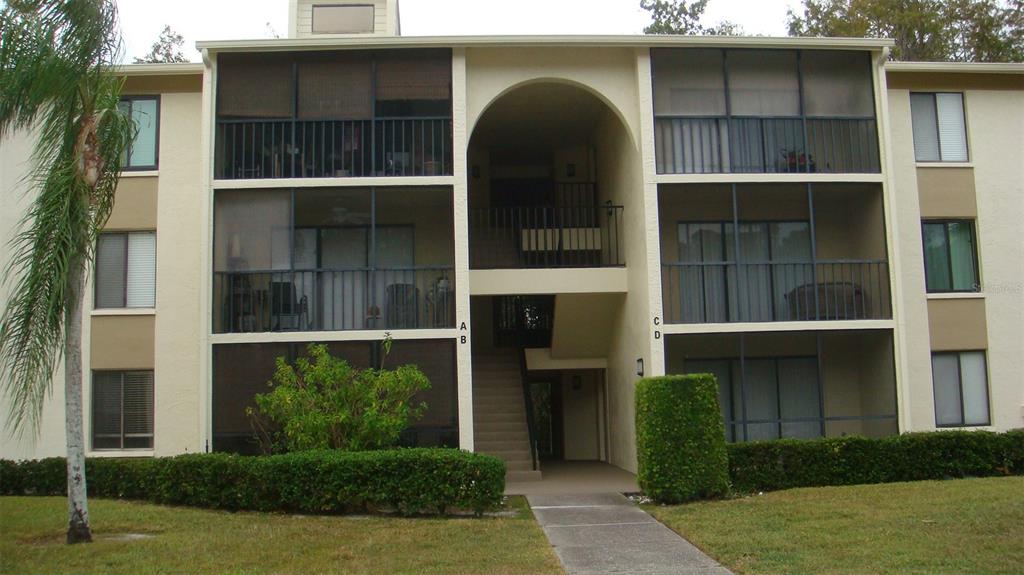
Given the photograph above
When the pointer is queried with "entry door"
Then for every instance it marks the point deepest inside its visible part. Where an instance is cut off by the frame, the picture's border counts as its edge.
(343, 289)
(395, 291)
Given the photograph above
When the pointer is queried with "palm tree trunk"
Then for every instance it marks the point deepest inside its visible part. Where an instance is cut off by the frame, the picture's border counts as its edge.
(78, 508)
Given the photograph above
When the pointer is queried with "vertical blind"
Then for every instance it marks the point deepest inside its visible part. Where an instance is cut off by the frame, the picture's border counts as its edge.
(126, 270)
(940, 133)
(960, 388)
(122, 410)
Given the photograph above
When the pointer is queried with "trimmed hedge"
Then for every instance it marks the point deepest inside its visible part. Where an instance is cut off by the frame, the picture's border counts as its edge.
(409, 481)
(680, 438)
(787, 463)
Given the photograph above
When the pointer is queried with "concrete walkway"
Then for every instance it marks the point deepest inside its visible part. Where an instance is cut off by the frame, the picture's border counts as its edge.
(606, 533)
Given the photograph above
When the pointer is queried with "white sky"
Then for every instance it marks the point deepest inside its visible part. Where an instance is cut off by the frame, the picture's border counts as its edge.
(142, 20)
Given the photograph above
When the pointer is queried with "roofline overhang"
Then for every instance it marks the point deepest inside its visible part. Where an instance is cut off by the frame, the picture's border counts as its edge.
(955, 67)
(617, 41)
(159, 69)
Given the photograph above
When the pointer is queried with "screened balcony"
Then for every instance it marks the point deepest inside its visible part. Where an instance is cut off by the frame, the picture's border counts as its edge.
(795, 385)
(240, 371)
(333, 259)
(803, 253)
(334, 114)
(763, 111)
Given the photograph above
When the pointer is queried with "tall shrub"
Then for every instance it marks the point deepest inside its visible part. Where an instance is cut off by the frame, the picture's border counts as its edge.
(322, 402)
(680, 438)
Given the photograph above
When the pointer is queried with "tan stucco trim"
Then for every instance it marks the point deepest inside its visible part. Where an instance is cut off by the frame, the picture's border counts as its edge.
(947, 192)
(154, 84)
(135, 205)
(954, 82)
(540, 359)
(957, 324)
(122, 342)
(547, 281)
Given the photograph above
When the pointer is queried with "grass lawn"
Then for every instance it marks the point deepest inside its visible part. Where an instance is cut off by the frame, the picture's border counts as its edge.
(185, 540)
(958, 526)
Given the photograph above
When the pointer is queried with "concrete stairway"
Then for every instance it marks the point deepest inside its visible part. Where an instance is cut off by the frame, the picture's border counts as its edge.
(499, 415)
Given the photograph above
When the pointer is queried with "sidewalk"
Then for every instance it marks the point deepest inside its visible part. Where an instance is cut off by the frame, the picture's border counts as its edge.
(605, 534)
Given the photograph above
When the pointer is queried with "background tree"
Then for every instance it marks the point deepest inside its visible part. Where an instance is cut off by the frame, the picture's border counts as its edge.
(683, 17)
(56, 86)
(167, 48)
(928, 30)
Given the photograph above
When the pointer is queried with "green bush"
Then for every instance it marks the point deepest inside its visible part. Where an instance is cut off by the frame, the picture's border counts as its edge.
(787, 463)
(680, 438)
(410, 481)
(322, 402)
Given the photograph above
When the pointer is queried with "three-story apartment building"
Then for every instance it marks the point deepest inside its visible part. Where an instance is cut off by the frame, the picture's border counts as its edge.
(538, 222)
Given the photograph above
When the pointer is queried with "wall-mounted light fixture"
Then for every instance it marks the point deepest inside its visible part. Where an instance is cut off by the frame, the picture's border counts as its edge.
(640, 366)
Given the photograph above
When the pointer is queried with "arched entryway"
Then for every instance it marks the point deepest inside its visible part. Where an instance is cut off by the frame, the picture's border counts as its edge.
(550, 168)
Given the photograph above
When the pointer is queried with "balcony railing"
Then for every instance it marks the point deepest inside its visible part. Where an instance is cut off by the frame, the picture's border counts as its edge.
(257, 149)
(330, 300)
(719, 144)
(546, 237)
(721, 292)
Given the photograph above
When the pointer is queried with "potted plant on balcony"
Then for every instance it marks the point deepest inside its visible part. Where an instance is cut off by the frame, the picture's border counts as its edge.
(796, 161)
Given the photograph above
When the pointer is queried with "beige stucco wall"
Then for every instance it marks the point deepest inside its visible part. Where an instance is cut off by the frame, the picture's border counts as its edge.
(583, 325)
(179, 261)
(625, 173)
(14, 155)
(300, 17)
(995, 121)
(989, 188)
(609, 73)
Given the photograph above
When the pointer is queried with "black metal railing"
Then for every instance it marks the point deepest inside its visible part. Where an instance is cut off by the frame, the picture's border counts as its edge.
(546, 237)
(332, 300)
(293, 148)
(531, 424)
(720, 144)
(720, 292)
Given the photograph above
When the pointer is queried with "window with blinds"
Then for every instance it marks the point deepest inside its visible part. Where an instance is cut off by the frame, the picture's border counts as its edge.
(940, 130)
(122, 410)
(142, 151)
(126, 270)
(960, 385)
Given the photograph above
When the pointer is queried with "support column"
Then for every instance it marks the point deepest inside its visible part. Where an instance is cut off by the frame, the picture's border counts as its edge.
(463, 345)
(652, 229)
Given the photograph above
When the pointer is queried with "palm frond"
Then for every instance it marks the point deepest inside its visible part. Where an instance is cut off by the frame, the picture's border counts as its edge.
(71, 104)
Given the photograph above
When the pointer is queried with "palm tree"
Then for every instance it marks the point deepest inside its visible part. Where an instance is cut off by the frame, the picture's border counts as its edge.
(56, 85)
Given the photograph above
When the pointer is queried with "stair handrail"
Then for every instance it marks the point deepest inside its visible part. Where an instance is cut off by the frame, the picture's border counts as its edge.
(528, 401)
